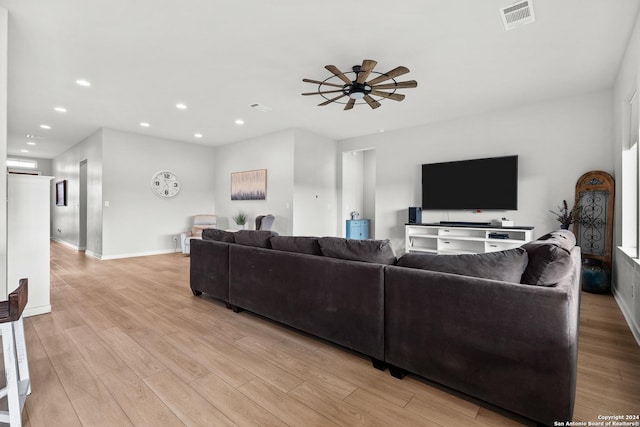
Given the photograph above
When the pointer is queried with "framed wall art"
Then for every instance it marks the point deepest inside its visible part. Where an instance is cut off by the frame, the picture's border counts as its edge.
(249, 185)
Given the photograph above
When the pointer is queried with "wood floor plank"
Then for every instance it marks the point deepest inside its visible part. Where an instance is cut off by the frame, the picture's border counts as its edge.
(91, 400)
(359, 372)
(172, 357)
(335, 385)
(271, 373)
(215, 362)
(132, 353)
(185, 402)
(52, 408)
(386, 411)
(334, 408)
(239, 408)
(94, 350)
(138, 401)
(285, 407)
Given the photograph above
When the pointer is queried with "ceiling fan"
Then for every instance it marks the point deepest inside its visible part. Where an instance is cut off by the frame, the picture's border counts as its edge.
(359, 88)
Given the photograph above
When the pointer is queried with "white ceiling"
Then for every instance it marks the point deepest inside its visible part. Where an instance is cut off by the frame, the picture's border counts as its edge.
(218, 56)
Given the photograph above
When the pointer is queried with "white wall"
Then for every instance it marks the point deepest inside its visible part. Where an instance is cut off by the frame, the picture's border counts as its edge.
(119, 170)
(273, 152)
(137, 222)
(557, 142)
(352, 187)
(65, 220)
(369, 190)
(626, 272)
(315, 185)
(4, 24)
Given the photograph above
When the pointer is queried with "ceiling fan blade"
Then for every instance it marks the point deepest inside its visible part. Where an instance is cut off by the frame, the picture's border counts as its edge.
(321, 83)
(372, 102)
(320, 93)
(398, 71)
(350, 104)
(394, 96)
(365, 70)
(400, 85)
(329, 101)
(338, 74)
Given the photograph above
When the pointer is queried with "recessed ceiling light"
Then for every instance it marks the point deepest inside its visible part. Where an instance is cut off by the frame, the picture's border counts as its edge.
(31, 143)
(47, 127)
(60, 109)
(144, 124)
(197, 135)
(239, 121)
(181, 106)
(24, 151)
(84, 83)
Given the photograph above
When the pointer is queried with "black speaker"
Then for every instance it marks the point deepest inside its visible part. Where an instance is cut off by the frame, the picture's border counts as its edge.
(415, 215)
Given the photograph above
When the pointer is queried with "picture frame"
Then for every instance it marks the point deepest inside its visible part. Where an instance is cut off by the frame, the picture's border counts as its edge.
(61, 193)
(249, 185)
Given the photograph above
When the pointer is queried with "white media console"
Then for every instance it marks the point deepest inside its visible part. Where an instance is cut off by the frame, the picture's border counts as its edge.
(464, 239)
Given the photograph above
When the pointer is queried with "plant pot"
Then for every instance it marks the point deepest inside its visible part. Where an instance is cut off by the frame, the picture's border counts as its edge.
(596, 277)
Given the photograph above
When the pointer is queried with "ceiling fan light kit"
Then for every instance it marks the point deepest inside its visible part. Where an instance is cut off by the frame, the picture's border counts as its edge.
(359, 88)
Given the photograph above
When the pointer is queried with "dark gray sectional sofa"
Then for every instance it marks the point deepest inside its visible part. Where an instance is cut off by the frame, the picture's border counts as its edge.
(501, 327)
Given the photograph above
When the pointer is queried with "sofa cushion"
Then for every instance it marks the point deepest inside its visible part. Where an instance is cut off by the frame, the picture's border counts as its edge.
(258, 238)
(298, 244)
(218, 235)
(506, 266)
(549, 258)
(377, 251)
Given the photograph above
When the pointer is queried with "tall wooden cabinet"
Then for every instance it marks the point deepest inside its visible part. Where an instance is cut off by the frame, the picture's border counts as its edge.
(28, 238)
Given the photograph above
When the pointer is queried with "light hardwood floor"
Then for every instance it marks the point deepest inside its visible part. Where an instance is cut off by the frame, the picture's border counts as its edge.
(127, 344)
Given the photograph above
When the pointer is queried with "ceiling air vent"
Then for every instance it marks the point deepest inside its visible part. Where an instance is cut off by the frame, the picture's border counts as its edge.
(517, 14)
(260, 107)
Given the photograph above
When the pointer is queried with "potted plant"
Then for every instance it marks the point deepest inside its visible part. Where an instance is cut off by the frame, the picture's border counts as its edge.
(240, 219)
(565, 216)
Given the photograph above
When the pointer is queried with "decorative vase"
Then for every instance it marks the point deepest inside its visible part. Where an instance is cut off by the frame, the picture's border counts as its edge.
(596, 277)
(564, 226)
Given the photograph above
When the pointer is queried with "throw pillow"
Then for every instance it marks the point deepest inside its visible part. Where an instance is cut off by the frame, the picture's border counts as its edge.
(377, 251)
(218, 235)
(549, 258)
(506, 266)
(298, 244)
(259, 238)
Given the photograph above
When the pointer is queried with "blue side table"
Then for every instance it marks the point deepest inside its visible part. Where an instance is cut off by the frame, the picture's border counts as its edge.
(358, 229)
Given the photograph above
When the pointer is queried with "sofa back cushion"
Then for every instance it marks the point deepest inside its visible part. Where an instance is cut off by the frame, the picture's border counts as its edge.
(549, 258)
(218, 235)
(506, 266)
(298, 244)
(257, 238)
(377, 251)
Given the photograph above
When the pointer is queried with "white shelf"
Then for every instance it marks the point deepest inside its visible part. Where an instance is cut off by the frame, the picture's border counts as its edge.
(451, 239)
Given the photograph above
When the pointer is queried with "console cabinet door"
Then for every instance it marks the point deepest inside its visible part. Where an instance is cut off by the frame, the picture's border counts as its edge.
(358, 229)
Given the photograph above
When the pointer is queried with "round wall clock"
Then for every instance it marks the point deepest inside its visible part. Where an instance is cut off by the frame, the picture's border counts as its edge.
(165, 184)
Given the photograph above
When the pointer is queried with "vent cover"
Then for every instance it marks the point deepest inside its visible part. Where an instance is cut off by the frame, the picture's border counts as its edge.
(260, 107)
(517, 14)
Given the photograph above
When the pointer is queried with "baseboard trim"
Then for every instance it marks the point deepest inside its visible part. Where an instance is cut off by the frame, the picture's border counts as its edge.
(635, 329)
(139, 254)
(34, 311)
(65, 243)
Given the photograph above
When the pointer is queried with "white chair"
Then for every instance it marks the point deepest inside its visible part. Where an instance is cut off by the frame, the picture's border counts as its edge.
(16, 364)
(264, 222)
(200, 222)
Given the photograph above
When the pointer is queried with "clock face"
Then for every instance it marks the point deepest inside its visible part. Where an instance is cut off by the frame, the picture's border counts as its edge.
(165, 184)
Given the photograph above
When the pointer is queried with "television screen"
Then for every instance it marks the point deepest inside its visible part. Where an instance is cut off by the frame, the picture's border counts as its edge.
(490, 183)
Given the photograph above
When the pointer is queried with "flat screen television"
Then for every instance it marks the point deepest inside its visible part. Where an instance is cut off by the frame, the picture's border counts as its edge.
(489, 184)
